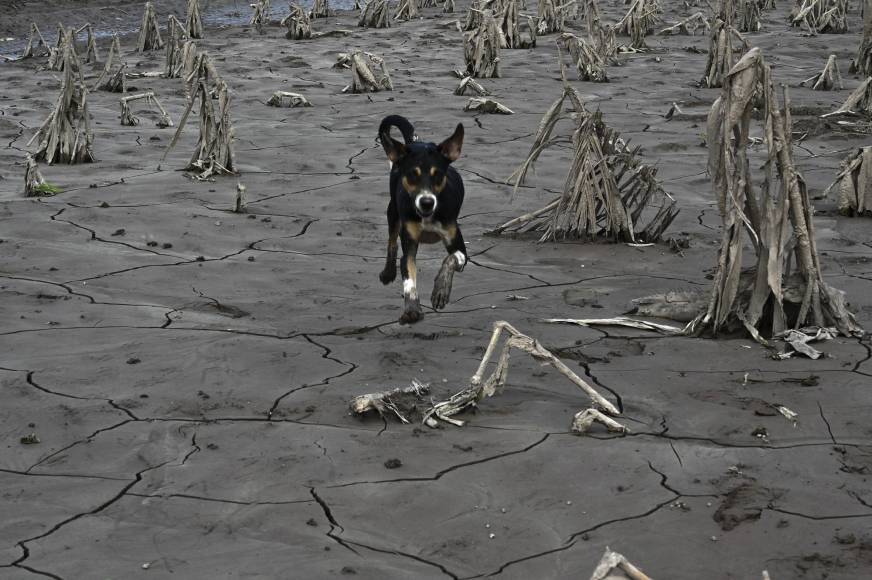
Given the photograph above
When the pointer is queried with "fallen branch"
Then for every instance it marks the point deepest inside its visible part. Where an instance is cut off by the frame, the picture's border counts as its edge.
(612, 562)
(620, 321)
(288, 100)
(469, 83)
(688, 26)
(127, 117)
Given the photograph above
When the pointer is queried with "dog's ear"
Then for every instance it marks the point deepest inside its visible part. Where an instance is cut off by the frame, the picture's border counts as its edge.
(450, 148)
(393, 148)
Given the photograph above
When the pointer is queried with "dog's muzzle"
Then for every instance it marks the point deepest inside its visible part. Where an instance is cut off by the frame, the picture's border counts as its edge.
(425, 203)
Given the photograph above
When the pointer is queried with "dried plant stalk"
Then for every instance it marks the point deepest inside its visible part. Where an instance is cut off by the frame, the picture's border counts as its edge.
(688, 26)
(406, 10)
(298, 23)
(612, 562)
(403, 403)
(194, 22)
(34, 182)
(288, 100)
(320, 9)
(720, 56)
(363, 77)
(479, 389)
(552, 17)
(57, 58)
(448, 7)
(91, 44)
(239, 200)
(36, 44)
(486, 105)
(777, 217)
(821, 16)
(854, 183)
(375, 15)
(828, 78)
(749, 16)
(863, 63)
(176, 38)
(640, 19)
(859, 102)
(65, 136)
(260, 11)
(590, 64)
(149, 31)
(127, 117)
(109, 81)
(481, 47)
(470, 84)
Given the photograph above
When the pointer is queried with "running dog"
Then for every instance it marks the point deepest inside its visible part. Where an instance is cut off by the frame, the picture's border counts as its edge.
(426, 196)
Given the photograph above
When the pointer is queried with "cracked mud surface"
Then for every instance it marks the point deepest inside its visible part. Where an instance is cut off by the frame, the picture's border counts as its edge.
(187, 369)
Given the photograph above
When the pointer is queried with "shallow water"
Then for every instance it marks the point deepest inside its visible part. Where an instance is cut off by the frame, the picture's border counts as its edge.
(227, 13)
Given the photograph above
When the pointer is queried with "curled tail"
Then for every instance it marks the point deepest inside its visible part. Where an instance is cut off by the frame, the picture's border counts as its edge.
(400, 123)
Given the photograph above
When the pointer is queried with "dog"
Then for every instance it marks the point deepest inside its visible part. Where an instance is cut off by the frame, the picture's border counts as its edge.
(426, 197)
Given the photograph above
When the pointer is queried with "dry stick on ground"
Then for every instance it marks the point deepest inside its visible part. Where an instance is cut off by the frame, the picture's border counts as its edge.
(859, 102)
(827, 79)
(363, 78)
(288, 100)
(688, 26)
(406, 10)
(777, 216)
(65, 136)
(375, 15)
(748, 16)
(612, 562)
(863, 63)
(176, 38)
(298, 23)
(260, 15)
(403, 403)
(481, 47)
(149, 31)
(193, 22)
(41, 47)
(129, 120)
(821, 16)
(320, 9)
(479, 389)
(109, 81)
(34, 182)
(854, 182)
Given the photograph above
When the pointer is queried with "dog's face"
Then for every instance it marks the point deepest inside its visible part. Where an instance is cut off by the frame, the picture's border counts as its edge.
(423, 168)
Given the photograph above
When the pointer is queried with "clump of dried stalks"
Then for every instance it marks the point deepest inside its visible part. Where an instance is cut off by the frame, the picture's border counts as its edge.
(406, 10)
(91, 44)
(859, 102)
(640, 19)
(193, 22)
(403, 403)
(130, 120)
(508, 17)
(688, 26)
(481, 47)
(777, 215)
(320, 9)
(288, 100)
(448, 7)
(375, 15)
(749, 16)
(720, 55)
(607, 190)
(863, 63)
(176, 39)
(214, 152)
(66, 40)
(36, 44)
(821, 16)
(298, 23)
(589, 63)
(363, 76)
(828, 78)
(602, 409)
(65, 136)
(854, 182)
(260, 12)
(552, 16)
(149, 31)
(113, 82)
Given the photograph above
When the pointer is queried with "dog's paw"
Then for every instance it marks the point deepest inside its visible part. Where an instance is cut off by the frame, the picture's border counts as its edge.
(411, 316)
(388, 275)
(442, 289)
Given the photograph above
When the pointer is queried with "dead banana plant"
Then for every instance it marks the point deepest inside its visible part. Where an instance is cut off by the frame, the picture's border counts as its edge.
(66, 136)
(113, 82)
(776, 213)
(552, 16)
(36, 44)
(687, 26)
(639, 21)
(320, 9)
(375, 15)
(590, 65)
(859, 102)
(407, 10)
(749, 16)
(863, 63)
(149, 31)
(448, 7)
(821, 16)
(481, 47)
(193, 21)
(720, 55)
(260, 12)
(854, 183)
(130, 120)
(91, 56)
(828, 78)
(363, 75)
(298, 23)
(176, 38)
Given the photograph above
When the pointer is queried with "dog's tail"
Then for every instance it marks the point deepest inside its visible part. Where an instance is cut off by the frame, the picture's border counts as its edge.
(400, 123)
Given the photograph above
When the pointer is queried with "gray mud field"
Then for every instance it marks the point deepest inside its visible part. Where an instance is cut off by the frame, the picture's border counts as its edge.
(187, 370)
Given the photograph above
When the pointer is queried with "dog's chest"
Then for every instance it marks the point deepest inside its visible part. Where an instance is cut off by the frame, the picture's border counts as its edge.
(431, 232)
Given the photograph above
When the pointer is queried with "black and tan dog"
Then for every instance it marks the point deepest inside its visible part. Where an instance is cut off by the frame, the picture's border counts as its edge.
(426, 196)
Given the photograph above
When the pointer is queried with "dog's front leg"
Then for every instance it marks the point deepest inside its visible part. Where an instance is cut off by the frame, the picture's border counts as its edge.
(389, 274)
(409, 270)
(453, 262)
